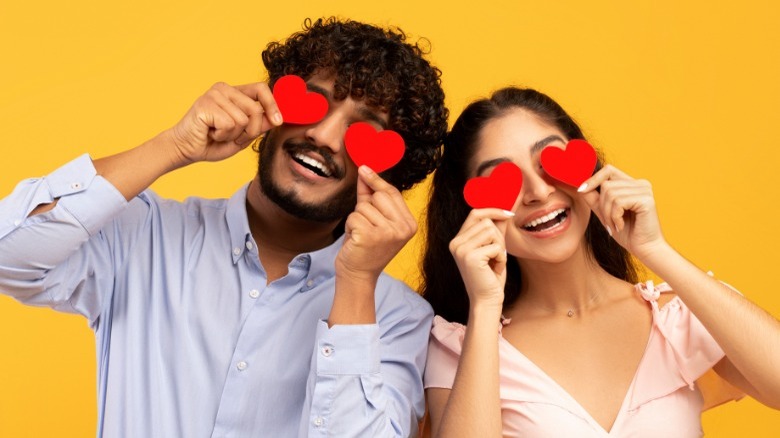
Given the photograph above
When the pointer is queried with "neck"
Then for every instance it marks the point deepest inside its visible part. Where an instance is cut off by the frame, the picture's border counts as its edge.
(577, 285)
(281, 235)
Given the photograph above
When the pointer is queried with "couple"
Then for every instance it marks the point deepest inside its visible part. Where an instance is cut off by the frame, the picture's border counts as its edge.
(267, 314)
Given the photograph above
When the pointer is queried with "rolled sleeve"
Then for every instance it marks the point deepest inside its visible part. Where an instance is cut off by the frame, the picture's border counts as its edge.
(366, 380)
(43, 258)
(347, 349)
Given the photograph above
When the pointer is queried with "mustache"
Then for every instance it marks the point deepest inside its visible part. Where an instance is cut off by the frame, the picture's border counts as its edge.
(292, 147)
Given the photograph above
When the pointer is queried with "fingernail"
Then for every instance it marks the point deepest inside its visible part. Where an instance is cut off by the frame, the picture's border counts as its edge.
(278, 118)
(365, 170)
(609, 231)
(508, 213)
(583, 187)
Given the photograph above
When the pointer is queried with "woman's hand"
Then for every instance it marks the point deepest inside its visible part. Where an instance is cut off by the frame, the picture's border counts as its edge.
(480, 253)
(626, 207)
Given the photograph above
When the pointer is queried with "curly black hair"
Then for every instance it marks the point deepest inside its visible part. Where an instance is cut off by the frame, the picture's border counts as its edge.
(380, 68)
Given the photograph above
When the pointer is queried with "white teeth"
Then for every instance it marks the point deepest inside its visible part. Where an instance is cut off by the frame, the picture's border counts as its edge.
(314, 163)
(546, 218)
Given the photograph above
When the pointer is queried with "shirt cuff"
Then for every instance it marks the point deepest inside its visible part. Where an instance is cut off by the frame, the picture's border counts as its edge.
(347, 349)
(96, 200)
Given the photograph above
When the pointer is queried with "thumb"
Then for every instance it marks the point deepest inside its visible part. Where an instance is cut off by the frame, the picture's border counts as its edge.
(502, 225)
(592, 199)
(363, 189)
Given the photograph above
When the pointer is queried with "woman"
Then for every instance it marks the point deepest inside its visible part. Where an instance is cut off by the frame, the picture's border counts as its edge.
(545, 332)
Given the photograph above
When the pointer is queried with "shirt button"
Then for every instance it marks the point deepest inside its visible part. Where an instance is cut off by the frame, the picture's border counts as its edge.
(75, 186)
(254, 293)
(236, 251)
(318, 421)
(241, 365)
(249, 246)
(327, 350)
(17, 223)
(310, 283)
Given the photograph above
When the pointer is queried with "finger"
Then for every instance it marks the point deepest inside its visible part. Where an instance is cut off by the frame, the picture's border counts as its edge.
(355, 226)
(481, 234)
(373, 180)
(636, 202)
(466, 233)
(501, 226)
(389, 206)
(220, 122)
(494, 214)
(262, 93)
(258, 121)
(364, 191)
(492, 256)
(622, 196)
(370, 212)
(608, 172)
(384, 196)
(219, 95)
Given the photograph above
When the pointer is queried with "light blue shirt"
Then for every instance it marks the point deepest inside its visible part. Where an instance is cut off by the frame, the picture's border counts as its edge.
(191, 341)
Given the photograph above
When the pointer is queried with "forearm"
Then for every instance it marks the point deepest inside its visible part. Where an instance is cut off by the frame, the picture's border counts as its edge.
(134, 170)
(747, 334)
(473, 407)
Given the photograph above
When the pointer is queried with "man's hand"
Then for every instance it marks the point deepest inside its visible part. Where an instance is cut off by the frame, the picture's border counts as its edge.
(224, 121)
(220, 123)
(376, 231)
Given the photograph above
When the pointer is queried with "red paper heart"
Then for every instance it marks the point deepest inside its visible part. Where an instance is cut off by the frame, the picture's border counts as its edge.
(572, 165)
(498, 190)
(298, 105)
(377, 150)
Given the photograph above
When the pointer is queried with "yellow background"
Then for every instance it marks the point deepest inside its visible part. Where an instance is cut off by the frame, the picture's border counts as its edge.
(684, 94)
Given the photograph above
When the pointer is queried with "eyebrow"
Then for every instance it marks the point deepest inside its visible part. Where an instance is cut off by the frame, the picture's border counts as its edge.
(490, 163)
(538, 146)
(541, 144)
(318, 89)
(367, 114)
(364, 111)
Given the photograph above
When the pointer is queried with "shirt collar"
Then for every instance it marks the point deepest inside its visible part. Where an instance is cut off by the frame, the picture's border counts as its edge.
(321, 262)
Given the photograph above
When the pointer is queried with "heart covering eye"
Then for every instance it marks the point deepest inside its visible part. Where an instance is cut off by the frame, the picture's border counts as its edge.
(377, 150)
(500, 189)
(572, 165)
(298, 105)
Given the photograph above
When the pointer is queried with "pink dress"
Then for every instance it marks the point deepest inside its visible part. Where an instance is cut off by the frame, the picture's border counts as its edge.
(663, 400)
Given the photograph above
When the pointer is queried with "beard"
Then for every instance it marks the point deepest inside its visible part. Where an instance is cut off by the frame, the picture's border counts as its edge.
(337, 208)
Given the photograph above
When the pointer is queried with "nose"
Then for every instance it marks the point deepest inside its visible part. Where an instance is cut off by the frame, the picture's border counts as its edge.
(536, 188)
(327, 133)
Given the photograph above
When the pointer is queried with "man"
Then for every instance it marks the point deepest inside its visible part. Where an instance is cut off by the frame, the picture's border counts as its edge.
(265, 314)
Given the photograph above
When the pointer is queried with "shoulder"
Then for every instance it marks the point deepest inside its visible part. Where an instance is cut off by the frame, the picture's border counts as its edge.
(149, 202)
(448, 335)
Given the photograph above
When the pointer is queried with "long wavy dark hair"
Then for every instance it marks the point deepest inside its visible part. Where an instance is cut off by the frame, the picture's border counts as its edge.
(442, 285)
(377, 66)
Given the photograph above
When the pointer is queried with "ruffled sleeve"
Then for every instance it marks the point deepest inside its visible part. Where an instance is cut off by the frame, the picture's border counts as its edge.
(680, 351)
(444, 348)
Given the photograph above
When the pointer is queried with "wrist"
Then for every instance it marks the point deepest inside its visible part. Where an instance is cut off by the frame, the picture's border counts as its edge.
(655, 256)
(486, 310)
(168, 142)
